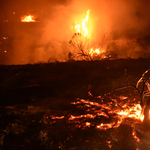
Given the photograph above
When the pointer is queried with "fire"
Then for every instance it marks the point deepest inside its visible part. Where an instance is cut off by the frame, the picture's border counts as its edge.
(88, 124)
(29, 18)
(134, 112)
(96, 52)
(105, 112)
(134, 136)
(52, 117)
(82, 41)
(117, 109)
(103, 116)
(81, 28)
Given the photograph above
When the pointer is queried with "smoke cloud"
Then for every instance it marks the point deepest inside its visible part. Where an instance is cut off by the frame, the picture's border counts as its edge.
(125, 22)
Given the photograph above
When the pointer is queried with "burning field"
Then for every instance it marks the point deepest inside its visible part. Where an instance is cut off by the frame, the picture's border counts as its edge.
(75, 75)
(74, 105)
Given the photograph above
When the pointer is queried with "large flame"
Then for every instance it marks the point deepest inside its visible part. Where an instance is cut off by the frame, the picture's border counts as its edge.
(83, 30)
(29, 18)
(96, 52)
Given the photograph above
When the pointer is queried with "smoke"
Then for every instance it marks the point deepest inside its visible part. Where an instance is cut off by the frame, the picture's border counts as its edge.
(43, 40)
(125, 22)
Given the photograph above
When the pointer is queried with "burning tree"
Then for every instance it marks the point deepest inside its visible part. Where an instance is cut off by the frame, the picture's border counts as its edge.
(81, 46)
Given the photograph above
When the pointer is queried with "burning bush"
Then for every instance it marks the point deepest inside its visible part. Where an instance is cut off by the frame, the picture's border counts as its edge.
(81, 46)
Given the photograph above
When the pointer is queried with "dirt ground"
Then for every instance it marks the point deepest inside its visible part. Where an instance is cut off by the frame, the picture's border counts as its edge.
(36, 104)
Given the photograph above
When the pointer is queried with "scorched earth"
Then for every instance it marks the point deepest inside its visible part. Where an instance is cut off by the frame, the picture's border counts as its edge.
(73, 105)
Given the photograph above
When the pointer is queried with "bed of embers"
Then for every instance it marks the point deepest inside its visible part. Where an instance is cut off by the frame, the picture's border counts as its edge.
(73, 105)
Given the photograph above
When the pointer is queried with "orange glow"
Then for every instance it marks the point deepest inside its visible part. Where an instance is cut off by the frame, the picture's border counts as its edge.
(109, 144)
(114, 108)
(88, 124)
(29, 18)
(82, 28)
(114, 111)
(82, 116)
(95, 52)
(52, 117)
(83, 31)
(135, 137)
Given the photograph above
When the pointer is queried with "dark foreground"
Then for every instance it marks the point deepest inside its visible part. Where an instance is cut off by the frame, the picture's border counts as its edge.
(36, 104)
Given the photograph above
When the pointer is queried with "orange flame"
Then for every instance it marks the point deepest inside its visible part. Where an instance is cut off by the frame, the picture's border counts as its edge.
(29, 18)
(134, 111)
(96, 51)
(82, 28)
(122, 111)
(115, 111)
(134, 136)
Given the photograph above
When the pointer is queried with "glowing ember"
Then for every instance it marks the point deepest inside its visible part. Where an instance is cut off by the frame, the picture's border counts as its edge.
(107, 112)
(115, 111)
(52, 117)
(134, 136)
(29, 18)
(88, 124)
(81, 39)
(109, 144)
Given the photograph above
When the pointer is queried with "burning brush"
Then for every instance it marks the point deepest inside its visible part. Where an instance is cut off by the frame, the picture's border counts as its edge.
(81, 45)
(111, 110)
(145, 92)
(143, 88)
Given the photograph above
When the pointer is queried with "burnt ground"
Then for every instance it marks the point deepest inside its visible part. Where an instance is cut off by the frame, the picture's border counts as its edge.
(31, 94)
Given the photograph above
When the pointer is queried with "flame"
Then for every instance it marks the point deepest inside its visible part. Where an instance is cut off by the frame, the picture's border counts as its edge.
(134, 112)
(88, 124)
(114, 108)
(81, 28)
(52, 117)
(96, 52)
(134, 136)
(115, 112)
(29, 18)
